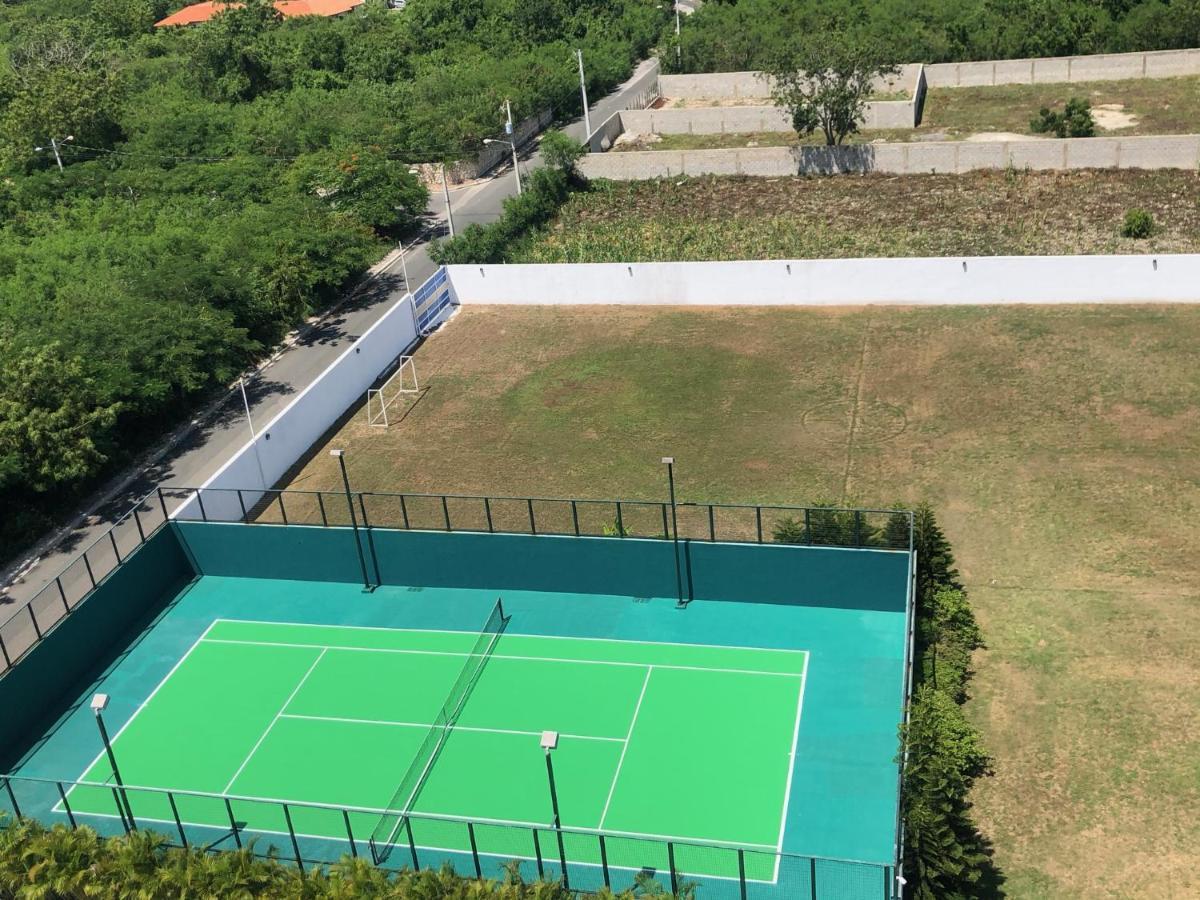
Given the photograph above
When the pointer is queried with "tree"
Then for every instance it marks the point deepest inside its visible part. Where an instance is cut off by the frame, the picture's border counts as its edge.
(825, 83)
(935, 559)
(560, 151)
(362, 181)
(51, 427)
(1074, 121)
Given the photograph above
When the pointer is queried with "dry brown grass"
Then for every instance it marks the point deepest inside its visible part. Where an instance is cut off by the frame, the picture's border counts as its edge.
(1059, 446)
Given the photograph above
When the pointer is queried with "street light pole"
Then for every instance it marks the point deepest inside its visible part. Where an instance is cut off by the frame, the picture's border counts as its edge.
(587, 116)
(99, 703)
(678, 45)
(403, 263)
(669, 462)
(549, 743)
(362, 561)
(446, 195)
(54, 146)
(516, 168)
(253, 437)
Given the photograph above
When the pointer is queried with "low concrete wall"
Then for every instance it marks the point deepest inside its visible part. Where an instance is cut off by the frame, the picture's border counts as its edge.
(1049, 70)
(1148, 152)
(753, 85)
(841, 282)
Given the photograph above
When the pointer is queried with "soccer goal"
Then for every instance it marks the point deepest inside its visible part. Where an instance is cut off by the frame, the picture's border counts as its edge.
(402, 381)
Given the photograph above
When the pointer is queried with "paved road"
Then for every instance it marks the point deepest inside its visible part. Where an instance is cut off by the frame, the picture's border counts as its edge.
(204, 448)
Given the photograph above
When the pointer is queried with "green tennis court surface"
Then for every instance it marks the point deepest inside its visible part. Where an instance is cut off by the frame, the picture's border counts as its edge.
(658, 741)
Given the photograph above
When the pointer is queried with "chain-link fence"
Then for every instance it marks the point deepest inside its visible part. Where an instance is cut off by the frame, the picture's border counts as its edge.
(311, 834)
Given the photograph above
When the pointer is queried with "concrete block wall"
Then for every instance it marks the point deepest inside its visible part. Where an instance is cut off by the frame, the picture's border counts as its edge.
(1145, 152)
(1065, 69)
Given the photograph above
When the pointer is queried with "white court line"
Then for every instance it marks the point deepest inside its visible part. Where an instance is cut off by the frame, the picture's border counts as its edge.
(578, 737)
(141, 706)
(552, 659)
(787, 793)
(291, 697)
(546, 637)
(628, 737)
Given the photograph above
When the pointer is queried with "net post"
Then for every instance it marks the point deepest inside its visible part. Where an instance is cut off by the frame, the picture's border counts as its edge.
(33, 618)
(282, 510)
(812, 877)
(474, 851)
(604, 862)
(66, 806)
(487, 511)
(537, 853)
(350, 834)
(671, 863)
(178, 822)
(137, 520)
(233, 825)
(446, 513)
(532, 523)
(321, 506)
(12, 798)
(62, 592)
(287, 815)
(87, 564)
(412, 845)
(242, 504)
(758, 522)
(575, 516)
(742, 873)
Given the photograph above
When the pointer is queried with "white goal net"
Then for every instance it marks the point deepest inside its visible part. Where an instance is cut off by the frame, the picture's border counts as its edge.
(379, 400)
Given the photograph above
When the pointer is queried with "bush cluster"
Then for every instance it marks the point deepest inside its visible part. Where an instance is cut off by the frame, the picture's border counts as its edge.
(1074, 121)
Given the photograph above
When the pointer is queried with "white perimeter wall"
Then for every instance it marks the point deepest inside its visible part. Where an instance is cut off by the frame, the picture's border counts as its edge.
(287, 437)
(841, 282)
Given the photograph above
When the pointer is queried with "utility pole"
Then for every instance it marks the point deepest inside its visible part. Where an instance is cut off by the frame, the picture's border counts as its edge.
(446, 195)
(54, 146)
(587, 117)
(678, 46)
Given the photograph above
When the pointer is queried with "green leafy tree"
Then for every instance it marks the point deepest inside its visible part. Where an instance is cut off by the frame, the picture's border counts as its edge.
(935, 559)
(360, 180)
(561, 151)
(51, 428)
(825, 83)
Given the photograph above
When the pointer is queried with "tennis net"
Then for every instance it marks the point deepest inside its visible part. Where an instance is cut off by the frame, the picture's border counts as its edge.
(383, 838)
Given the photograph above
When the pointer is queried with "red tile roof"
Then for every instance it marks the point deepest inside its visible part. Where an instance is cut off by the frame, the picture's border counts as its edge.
(202, 12)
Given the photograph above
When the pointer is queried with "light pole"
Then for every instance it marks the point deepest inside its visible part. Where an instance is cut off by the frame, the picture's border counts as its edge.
(549, 743)
(587, 116)
(99, 704)
(403, 263)
(54, 145)
(446, 196)
(678, 45)
(362, 560)
(253, 437)
(669, 462)
(513, 147)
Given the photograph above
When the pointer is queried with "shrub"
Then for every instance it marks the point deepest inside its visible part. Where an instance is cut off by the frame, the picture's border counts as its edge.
(559, 151)
(1074, 121)
(1138, 224)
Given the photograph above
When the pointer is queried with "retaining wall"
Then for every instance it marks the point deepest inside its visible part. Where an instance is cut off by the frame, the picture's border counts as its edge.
(286, 438)
(841, 282)
(1144, 152)
(1102, 67)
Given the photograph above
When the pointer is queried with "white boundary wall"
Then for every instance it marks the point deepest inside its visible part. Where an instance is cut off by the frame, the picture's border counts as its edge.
(288, 436)
(841, 282)
(1065, 69)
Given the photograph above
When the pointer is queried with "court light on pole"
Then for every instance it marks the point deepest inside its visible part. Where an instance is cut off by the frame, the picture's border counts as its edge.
(669, 462)
(549, 744)
(99, 704)
(513, 147)
(362, 560)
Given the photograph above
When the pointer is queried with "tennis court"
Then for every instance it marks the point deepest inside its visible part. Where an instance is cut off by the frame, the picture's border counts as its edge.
(657, 742)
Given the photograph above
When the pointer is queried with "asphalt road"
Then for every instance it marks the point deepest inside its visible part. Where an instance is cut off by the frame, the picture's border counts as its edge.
(202, 448)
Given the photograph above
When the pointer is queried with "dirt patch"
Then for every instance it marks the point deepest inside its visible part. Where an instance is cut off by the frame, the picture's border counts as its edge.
(1113, 117)
(983, 137)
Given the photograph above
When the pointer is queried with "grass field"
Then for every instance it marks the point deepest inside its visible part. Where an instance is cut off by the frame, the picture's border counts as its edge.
(1058, 445)
(983, 213)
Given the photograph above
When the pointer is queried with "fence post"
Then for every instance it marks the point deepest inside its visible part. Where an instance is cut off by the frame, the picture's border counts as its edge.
(620, 521)
(233, 825)
(812, 877)
(807, 525)
(200, 500)
(120, 810)
(66, 805)
(362, 508)
(137, 520)
(532, 523)
(287, 815)
(87, 564)
(404, 511)
(742, 872)
(446, 513)
(858, 528)
(712, 524)
(487, 511)
(474, 850)
(33, 619)
(321, 506)
(242, 504)
(4, 653)
(162, 503)
(575, 516)
(412, 845)
(62, 593)
(12, 798)
(537, 853)
(282, 511)
(350, 834)
(604, 862)
(112, 538)
(178, 822)
(671, 864)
